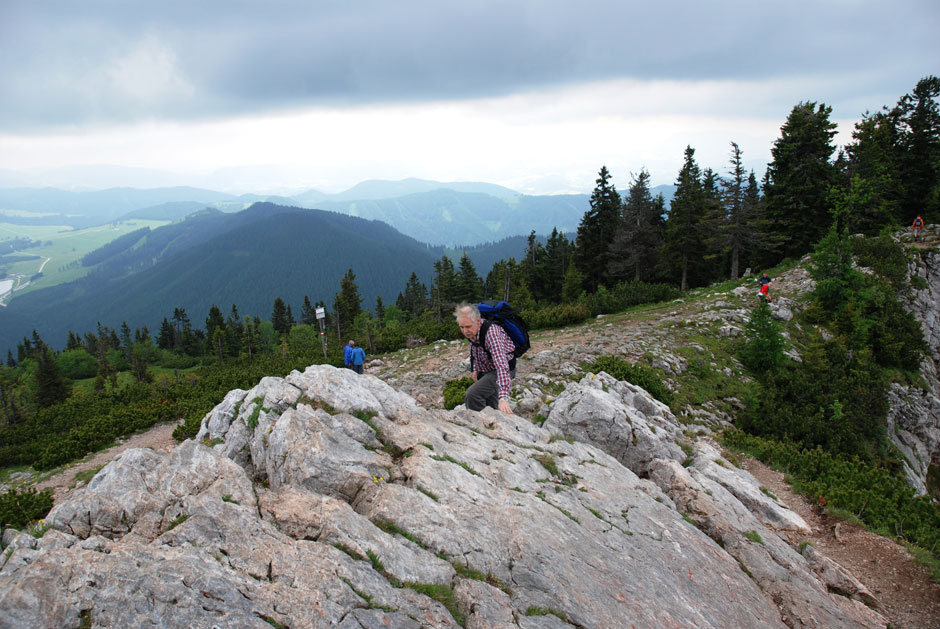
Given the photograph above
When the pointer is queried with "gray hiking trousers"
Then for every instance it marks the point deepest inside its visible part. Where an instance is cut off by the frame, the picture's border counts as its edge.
(484, 392)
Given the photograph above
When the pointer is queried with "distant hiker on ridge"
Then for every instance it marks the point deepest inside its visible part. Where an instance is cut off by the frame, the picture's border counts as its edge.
(358, 357)
(764, 291)
(348, 354)
(918, 225)
(489, 361)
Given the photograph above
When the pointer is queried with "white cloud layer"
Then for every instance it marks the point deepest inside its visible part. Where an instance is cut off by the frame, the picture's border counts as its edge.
(533, 95)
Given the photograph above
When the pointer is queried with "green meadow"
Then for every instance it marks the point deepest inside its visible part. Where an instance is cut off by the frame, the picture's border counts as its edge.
(61, 250)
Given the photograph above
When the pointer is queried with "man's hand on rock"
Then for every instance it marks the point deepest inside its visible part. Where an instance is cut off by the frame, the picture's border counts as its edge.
(504, 407)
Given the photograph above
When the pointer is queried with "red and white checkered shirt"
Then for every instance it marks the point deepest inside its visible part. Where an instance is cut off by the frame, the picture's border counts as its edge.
(502, 350)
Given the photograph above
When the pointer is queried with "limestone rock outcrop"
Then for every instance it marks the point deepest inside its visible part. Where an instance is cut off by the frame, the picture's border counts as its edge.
(914, 415)
(327, 499)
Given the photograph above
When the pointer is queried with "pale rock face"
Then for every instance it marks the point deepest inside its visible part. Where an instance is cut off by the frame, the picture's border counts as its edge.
(328, 499)
(914, 415)
(618, 417)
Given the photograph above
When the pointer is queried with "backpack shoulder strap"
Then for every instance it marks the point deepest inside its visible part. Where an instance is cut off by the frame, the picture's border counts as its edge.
(484, 326)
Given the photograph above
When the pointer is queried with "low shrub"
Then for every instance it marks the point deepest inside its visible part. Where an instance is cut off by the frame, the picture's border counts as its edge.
(454, 391)
(646, 377)
(882, 500)
(18, 509)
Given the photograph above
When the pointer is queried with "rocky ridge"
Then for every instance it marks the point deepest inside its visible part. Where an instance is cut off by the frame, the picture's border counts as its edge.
(330, 499)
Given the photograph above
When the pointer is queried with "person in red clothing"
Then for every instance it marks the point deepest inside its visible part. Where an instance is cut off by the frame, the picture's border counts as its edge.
(492, 361)
(918, 225)
(765, 292)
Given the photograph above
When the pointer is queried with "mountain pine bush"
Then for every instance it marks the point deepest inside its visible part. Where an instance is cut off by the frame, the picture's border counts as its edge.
(762, 352)
(641, 376)
(18, 509)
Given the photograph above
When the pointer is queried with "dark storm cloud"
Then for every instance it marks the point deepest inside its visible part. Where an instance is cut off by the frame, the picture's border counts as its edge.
(67, 63)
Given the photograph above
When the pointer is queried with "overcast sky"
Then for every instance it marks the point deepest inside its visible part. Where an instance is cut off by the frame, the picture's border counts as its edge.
(536, 95)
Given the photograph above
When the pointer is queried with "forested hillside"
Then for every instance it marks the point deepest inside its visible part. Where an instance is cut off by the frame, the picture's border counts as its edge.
(246, 259)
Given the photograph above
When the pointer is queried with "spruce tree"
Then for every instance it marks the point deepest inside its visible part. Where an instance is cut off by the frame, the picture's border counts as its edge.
(415, 298)
(799, 178)
(596, 231)
(918, 115)
(634, 252)
(872, 161)
(166, 335)
(533, 269)
(558, 253)
(214, 321)
(308, 314)
(444, 287)
(379, 310)
(469, 284)
(347, 304)
(51, 387)
(571, 287)
(684, 225)
(234, 332)
(279, 317)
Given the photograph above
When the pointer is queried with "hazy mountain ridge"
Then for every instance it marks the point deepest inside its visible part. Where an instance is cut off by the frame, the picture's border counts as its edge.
(247, 259)
(454, 213)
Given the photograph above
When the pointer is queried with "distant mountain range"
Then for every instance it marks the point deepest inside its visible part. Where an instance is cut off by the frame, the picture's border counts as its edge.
(217, 252)
(454, 214)
(247, 259)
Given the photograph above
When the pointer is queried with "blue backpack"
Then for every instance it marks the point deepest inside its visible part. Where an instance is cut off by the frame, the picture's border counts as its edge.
(502, 314)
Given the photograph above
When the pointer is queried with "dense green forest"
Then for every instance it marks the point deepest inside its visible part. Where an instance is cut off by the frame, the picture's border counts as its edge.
(58, 404)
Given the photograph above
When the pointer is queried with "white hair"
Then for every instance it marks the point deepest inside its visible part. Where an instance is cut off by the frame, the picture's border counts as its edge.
(467, 310)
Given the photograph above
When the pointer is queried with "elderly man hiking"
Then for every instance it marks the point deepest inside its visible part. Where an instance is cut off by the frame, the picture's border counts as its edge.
(492, 360)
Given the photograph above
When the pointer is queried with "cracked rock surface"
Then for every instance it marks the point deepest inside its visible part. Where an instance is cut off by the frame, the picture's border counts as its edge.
(327, 499)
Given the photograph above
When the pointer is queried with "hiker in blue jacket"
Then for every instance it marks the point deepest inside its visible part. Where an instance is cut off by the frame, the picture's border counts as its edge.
(347, 354)
(358, 358)
(489, 362)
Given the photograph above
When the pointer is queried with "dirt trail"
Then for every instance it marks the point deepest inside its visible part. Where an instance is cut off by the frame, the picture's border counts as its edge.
(62, 483)
(908, 597)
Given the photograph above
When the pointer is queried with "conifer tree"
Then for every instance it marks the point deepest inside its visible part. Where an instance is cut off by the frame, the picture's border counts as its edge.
(634, 252)
(684, 225)
(182, 326)
(74, 341)
(379, 310)
(469, 284)
(918, 115)
(415, 298)
(166, 335)
(799, 178)
(714, 217)
(444, 287)
(308, 314)
(279, 317)
(596, 231)
(214, 321)
(873, 157)
(51, 387)
(347, 304)
(251, 337)
(291, 322)
(506, 282)
(533, 268)
(558, 254)
(571, 287)
(126, 340)
(234, 332)
(732, 234)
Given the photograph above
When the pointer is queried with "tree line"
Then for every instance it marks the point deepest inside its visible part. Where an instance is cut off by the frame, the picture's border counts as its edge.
(628, 249)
